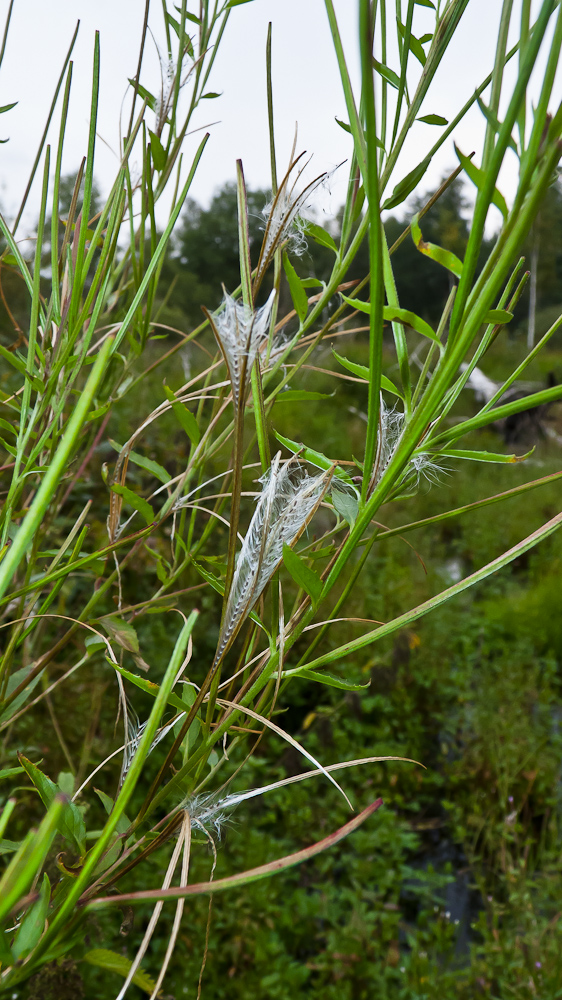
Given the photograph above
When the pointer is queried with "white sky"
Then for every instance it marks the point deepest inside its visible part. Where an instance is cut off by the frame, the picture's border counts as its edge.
(307, 88)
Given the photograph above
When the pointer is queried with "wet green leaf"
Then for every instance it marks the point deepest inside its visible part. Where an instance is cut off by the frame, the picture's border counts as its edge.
(320, 235)
(302, 574)
(387, 74)
(33, 923)
(477, 176)
(145, 463)
(103, 958)
(433, 120)
(298, 294)
(145, 95)
(323, 678)
(312, 456)
(158, 152)
(184, 417)
(71, 822)
(407, 184)
(345, 502)
(138, 503)
(441, 256)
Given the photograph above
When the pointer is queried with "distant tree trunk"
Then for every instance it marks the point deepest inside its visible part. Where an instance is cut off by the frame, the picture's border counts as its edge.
(533, 292)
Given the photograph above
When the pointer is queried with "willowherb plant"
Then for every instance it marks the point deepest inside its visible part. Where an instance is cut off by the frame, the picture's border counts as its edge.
(102, 307)
(241, 333)
(288, 500)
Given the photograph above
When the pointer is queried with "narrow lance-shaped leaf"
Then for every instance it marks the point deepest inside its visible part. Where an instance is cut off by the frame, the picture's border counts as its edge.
(477, 176)
(407, 185)
(363, 372)
(184, 417)
(138, 503)
(298, 294)
(444, 257)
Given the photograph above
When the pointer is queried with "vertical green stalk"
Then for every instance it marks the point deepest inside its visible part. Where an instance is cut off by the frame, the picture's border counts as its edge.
(79, 275)
(54, 473)
(371, 180)
(55, 276)
(272, 157)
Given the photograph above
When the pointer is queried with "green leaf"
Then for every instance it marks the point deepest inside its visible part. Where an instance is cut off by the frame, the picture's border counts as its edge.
(425, 3)
(145, 463)
(158, 152)
(302, 574)
(494, 122)
(391, 313)
(103, 958)
(93, 643)
(346, 503)
(123, 823)
(235, 3)
(301, 396)
(387, 74)
(65, 781)
(320, 235)
(312, 456)
(15, 680)
(433, 120)
(407, 184)
(177, 28)
(8, 427)
(322, 678)
(9, 772)
(13, 359)
(149, 687)
(33, 924)
(6, 957)
(71, 822)
(190, 17)
(477, 176)
(438, 254)
(9, 846)
(298, 294)
(209, 96)
(138, 503)
(363, 372)
(414, 43)
(360, 370)
(7, 107)
(347, 128)
(125, 636)
(364, 307)
(184, 417)
(485, 456)
(145, 95)
(498, 316)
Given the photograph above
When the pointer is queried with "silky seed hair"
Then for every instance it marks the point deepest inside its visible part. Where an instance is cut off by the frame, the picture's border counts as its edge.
(288, 500)
(241, 332)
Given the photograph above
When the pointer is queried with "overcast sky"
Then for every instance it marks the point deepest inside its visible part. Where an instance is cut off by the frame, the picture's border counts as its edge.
(307, 88)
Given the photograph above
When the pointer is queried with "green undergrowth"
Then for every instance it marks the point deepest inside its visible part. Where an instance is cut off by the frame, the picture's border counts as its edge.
(454, 890)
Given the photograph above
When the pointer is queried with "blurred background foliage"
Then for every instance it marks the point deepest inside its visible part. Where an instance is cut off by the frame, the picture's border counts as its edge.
(453, 889)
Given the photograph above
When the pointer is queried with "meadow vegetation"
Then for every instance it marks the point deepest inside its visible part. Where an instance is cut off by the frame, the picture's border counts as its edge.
(257, 567)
